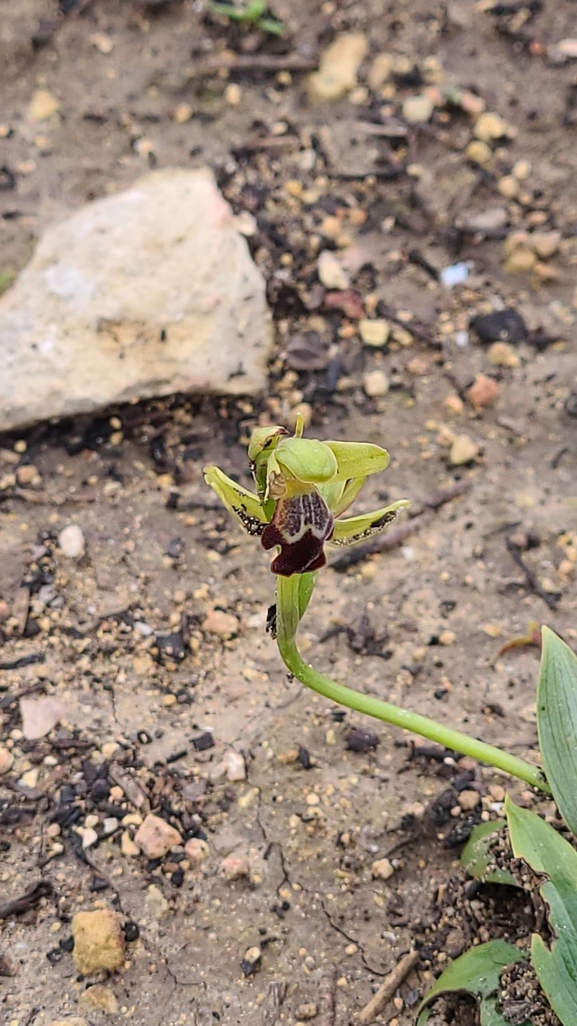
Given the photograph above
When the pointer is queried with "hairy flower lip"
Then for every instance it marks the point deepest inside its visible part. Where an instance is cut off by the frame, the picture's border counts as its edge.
(301, 524)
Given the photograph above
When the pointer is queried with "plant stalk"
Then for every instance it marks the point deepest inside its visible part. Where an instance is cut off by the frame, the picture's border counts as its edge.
(287, 625)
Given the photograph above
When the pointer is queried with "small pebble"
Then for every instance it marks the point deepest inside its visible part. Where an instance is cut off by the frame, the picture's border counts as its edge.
(468, 800)
(483, 392)
(479, 153)
(182, 113)
(454, 405)
(331, 272)
(127, 846)
(234, 867)
(98, 998)
(374, 332)
(501, 326)
(522, 170)
(42, 106)
(463, 450)
(71, 541)
(30, 777)
(545, 244)
(418, 367)
(382, 869)
(225, 625)
(89, 837)
(418, 109)
(447, 638)
(376, 384)
(307, 1011)
(508, 186)
(379, 71)
(235, 766)
(6, 761)
(501, 354)
(27, 476)
(155, 837)
(196, 851)
(233, 94)
(338, 68)
(454, 274)
(489, 127)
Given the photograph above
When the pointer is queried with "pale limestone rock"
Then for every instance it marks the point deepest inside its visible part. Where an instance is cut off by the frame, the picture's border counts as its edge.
(148, 292)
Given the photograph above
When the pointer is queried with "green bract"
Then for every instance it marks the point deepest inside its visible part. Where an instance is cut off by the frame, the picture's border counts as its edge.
(303, 485)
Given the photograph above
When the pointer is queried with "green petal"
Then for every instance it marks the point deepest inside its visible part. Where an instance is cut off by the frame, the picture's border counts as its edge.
(339, 495)
(332, 492)
(358, 459)
(348, 495)
(356, 529)
(245, 506)
(307, 459)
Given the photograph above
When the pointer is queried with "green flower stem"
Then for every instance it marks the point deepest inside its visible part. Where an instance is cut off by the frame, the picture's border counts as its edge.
(287, 624)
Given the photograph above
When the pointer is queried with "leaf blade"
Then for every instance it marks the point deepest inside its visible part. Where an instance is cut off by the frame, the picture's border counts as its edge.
(545, 851)
(476, 858)
(476, 972)
(557, 722)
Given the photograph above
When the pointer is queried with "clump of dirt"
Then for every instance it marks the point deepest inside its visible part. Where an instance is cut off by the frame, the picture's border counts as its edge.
(522, 999)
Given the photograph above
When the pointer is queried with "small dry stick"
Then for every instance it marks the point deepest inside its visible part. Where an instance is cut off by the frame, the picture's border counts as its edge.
(251, 62)
(277, 992)
(387, 989)
(328, 997)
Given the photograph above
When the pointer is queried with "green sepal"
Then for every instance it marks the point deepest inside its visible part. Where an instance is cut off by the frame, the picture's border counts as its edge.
(356, 529)
(358, 459)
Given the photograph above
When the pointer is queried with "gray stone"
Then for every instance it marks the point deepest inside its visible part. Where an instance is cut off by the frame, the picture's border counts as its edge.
(148, 292)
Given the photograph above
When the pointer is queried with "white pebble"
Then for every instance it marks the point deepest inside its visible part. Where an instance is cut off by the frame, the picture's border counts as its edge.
(71, 541)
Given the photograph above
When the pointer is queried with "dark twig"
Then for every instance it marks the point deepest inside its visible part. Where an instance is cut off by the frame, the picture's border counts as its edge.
(28, 660)
(419, 516)
(531, 578)
(9, 700)
(251, 62)
(382, 543)
(26, 901)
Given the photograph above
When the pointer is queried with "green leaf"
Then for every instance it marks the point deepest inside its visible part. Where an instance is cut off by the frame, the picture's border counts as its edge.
(476, 855)
(546, 852)
(557, 723)
(271, 25)
(477, 972)
(358, 459)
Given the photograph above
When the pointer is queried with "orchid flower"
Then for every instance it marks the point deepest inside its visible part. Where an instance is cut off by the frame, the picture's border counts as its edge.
(303, 488)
